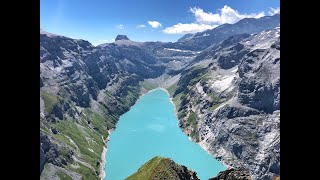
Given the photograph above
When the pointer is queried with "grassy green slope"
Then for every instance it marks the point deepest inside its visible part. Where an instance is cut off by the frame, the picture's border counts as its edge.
(83, 135)
(161, 168)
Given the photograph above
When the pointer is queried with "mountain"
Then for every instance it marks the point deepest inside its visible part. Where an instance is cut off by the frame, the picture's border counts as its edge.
(202, 40)
(163, 168)
(185, 37)
(226, 91)
(228, 101)
(83, 91)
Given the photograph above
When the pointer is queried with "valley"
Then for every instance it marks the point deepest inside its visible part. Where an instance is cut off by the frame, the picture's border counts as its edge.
(226, 93)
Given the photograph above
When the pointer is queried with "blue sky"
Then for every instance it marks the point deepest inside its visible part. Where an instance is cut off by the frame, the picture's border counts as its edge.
(100, 21)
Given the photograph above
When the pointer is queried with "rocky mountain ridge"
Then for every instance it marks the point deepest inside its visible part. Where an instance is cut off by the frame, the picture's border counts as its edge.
(202, 40)
(163, 168)
(232, 108)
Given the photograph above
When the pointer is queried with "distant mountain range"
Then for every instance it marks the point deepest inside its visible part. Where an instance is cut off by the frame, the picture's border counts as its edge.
(202, 40)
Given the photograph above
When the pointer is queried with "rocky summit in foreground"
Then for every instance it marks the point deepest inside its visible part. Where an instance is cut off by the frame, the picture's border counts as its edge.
(163, 168)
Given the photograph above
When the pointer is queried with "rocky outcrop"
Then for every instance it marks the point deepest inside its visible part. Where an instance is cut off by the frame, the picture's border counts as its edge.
(42, 159)
(232, 174)
(121, 37)
(163, 168)
(259, 86)
(53, 172)
(48, 152)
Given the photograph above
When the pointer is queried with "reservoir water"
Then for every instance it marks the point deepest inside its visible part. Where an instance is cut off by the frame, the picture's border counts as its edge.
(151, 129)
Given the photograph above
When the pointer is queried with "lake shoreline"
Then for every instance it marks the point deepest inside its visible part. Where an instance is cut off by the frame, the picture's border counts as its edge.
(102, 174)
(203, 145)
(132, 145)
(103, 169)
(167, 92)
(171, 101)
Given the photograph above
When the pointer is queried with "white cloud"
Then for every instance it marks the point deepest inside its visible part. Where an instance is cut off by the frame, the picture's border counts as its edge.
(204, 17)
(154, 24)
(120, 26)
(187, 28)
(141, 26)
(208, 20)
(226, 15)
(274, 11)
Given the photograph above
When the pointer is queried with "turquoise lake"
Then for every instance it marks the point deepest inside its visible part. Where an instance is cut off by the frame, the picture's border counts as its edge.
(151, 129)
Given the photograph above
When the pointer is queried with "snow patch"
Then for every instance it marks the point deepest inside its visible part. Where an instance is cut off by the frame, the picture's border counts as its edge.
(235, 70)
(223, 83)
(178, 50)
(200, 89)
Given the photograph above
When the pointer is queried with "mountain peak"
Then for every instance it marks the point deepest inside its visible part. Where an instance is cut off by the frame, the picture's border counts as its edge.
(121, 37)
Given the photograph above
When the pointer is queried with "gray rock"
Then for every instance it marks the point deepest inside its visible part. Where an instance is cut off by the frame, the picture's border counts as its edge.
(233, 174)
(243, 129)
(121, 37)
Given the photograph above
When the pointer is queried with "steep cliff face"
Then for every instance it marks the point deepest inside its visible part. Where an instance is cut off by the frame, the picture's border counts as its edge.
(83, 91)
(163, 168)
(232, 108)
